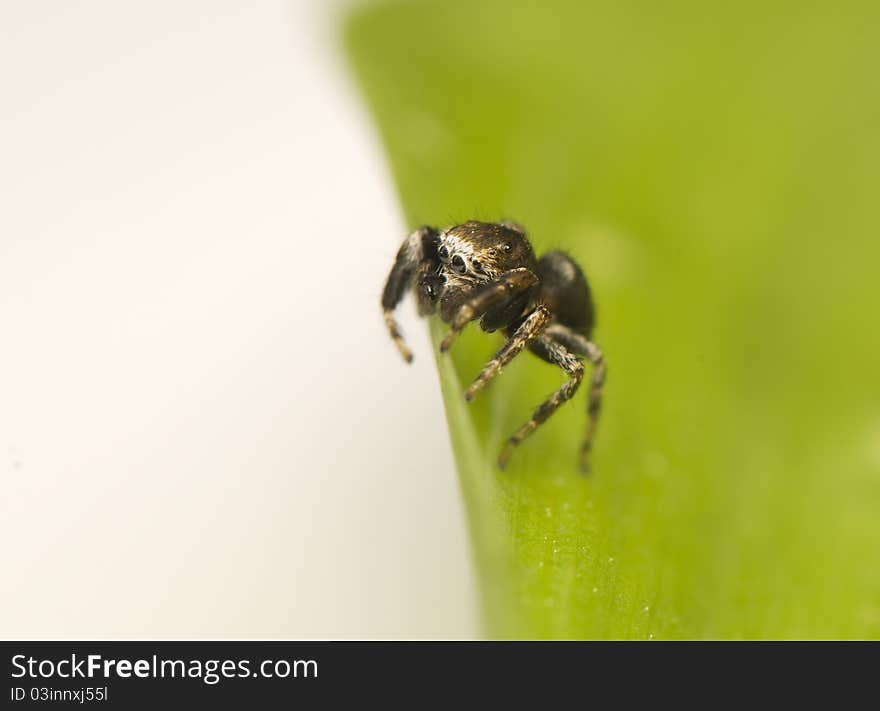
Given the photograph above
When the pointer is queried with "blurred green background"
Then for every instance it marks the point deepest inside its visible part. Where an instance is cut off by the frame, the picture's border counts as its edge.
(715, 169)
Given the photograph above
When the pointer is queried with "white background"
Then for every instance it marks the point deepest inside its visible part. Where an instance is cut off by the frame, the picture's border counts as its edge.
(204, 429)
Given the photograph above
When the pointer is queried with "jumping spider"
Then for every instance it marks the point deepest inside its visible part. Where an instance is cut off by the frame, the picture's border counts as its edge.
(488, 271)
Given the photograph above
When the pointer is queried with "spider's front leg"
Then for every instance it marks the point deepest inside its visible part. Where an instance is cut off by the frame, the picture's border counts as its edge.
(418, 248)
(530, 328)
(508, 285)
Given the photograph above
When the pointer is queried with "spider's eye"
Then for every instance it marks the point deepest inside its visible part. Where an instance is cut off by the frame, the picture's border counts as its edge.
(458, 264)
(507, 247)
(443, 253)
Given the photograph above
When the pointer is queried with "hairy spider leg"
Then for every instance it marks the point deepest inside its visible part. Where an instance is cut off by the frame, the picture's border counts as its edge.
(577, 343)
(409, 258)
(558, 354)
(509, 284)
(529, 329)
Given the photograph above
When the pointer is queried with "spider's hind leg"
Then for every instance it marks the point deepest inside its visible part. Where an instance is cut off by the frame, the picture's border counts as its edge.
(578, 343)
(556, 353)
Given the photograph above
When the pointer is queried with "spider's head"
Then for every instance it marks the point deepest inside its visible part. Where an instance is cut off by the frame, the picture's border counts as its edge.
(476, 252)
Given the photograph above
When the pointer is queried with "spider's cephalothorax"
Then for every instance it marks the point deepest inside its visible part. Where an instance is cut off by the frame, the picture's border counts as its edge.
(488, 271)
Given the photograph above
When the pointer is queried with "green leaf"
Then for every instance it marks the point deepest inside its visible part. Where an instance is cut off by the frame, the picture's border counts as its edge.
(715, 170)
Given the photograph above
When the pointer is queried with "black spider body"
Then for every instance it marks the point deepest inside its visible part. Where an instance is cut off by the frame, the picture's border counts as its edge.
(489, 271)
(565, 291)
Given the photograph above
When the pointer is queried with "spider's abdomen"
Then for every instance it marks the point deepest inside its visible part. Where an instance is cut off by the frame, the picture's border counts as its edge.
(565, 291)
